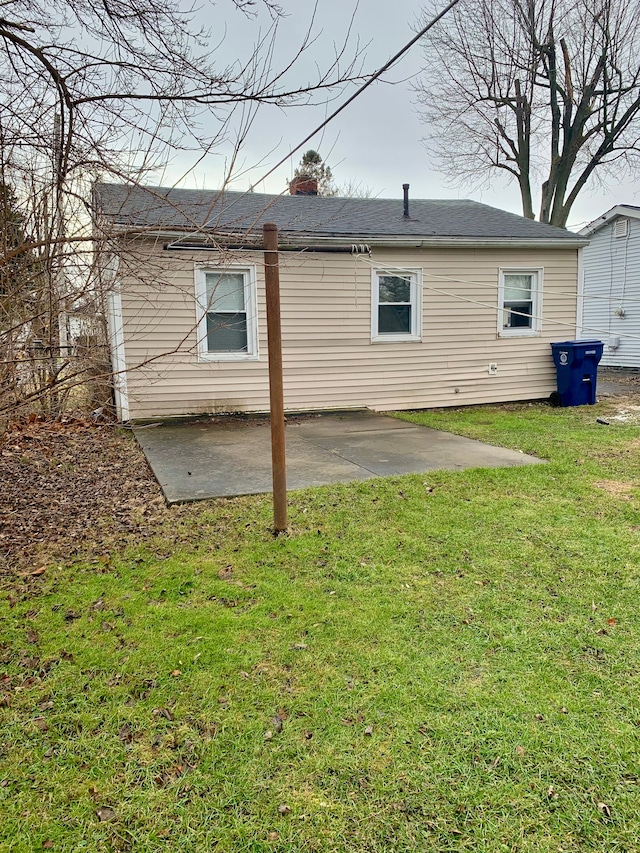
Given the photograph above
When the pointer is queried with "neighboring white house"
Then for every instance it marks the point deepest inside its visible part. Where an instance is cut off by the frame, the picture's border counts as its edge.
(385, 304)
(611, 285)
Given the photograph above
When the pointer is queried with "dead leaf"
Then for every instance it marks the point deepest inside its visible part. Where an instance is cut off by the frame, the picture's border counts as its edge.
(105, 813)
(593, 607)
(308, 735)
(98, 605)
(283, 808)
(539, 718)
(495, 762)
(551, 793)
(225, 573)
(563, 710)
(273, 836)
(277, 723)
(41, 723)
(163, 712)
(32, 636)
(268, 735)
(369, 731)
(176, 673)
(612, 621)
(33, 574)
(604, 809)
(299, 646)
(48, 844)
(520, 750)
(125, 734)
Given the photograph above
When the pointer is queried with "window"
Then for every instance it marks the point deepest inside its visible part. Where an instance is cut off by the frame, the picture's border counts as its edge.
(395, 303)
(519, 302)
(227, 328)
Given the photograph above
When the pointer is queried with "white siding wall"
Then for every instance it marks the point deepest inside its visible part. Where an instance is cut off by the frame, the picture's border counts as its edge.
(329, 360)
(611, 283)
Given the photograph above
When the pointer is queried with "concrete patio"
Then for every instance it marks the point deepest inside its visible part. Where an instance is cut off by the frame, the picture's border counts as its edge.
(225, 457)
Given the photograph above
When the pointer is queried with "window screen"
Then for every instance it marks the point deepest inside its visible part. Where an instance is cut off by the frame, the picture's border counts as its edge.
(394, 305)
(226, 312)
(518, 300)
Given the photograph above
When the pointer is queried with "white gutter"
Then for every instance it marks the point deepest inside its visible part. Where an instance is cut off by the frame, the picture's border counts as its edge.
(379, 241)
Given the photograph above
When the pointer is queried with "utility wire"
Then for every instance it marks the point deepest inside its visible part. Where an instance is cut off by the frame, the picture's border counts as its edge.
(361, 89)
(571, 294)
(492, 306)
(376, 74)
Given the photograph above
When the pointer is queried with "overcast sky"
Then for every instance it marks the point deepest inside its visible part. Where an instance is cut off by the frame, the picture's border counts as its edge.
(376, 141)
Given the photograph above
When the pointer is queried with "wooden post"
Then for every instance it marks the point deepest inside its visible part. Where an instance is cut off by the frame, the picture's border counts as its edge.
(276, 392)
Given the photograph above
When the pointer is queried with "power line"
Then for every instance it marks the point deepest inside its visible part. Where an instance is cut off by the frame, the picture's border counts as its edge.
(375, 76)
(362, 88)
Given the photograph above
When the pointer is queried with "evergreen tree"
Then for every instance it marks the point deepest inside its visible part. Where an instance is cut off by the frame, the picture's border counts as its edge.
(313, 166)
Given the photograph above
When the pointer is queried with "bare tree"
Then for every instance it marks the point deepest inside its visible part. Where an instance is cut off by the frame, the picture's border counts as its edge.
(354, 189)
(109, 90)
(543, 91)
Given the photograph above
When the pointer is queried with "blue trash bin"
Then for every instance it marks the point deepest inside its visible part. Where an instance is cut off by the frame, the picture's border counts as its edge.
(577, 371)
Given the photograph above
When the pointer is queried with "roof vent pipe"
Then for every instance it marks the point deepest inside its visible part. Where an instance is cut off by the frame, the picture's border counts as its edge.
(405, 189)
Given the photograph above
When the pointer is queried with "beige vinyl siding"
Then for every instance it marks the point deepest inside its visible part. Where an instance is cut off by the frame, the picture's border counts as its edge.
(329, 359)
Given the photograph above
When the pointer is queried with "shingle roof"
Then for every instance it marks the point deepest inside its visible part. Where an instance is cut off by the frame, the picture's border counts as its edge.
(242, 214)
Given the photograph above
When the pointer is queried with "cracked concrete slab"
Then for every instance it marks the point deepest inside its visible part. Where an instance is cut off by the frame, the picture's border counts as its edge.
(226, 457)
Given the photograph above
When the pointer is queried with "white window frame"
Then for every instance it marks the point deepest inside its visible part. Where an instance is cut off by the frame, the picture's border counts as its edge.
(536, 302)
(415, 295)
(250, 303)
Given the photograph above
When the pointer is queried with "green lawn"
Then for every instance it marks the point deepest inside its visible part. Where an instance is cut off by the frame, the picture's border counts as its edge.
(444, 662)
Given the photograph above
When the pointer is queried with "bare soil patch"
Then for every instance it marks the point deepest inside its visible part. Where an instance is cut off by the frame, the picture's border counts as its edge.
(69, 487)
(617, 488)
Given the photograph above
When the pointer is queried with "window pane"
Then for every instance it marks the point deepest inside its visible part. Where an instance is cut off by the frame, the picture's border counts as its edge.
(517, 315)
(518, 287)
(393, 288)
(226, 332)
(394, 320)
(225, 291)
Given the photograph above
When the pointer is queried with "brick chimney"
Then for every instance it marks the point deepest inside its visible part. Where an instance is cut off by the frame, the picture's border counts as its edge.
(303, 185)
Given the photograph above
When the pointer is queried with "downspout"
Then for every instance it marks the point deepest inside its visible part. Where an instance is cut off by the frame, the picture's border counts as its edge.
(580, 297)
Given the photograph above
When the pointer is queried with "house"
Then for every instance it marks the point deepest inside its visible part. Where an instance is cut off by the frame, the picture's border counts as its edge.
(386, 303)
(610, 303)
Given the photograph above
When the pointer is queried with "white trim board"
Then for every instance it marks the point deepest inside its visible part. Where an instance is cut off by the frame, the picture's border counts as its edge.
(115, 327)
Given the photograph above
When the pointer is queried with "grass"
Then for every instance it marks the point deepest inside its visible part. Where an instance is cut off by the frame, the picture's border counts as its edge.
(445, 662)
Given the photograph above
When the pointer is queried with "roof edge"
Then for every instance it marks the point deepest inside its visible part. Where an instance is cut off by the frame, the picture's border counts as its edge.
(627, 210)
(379, 241)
